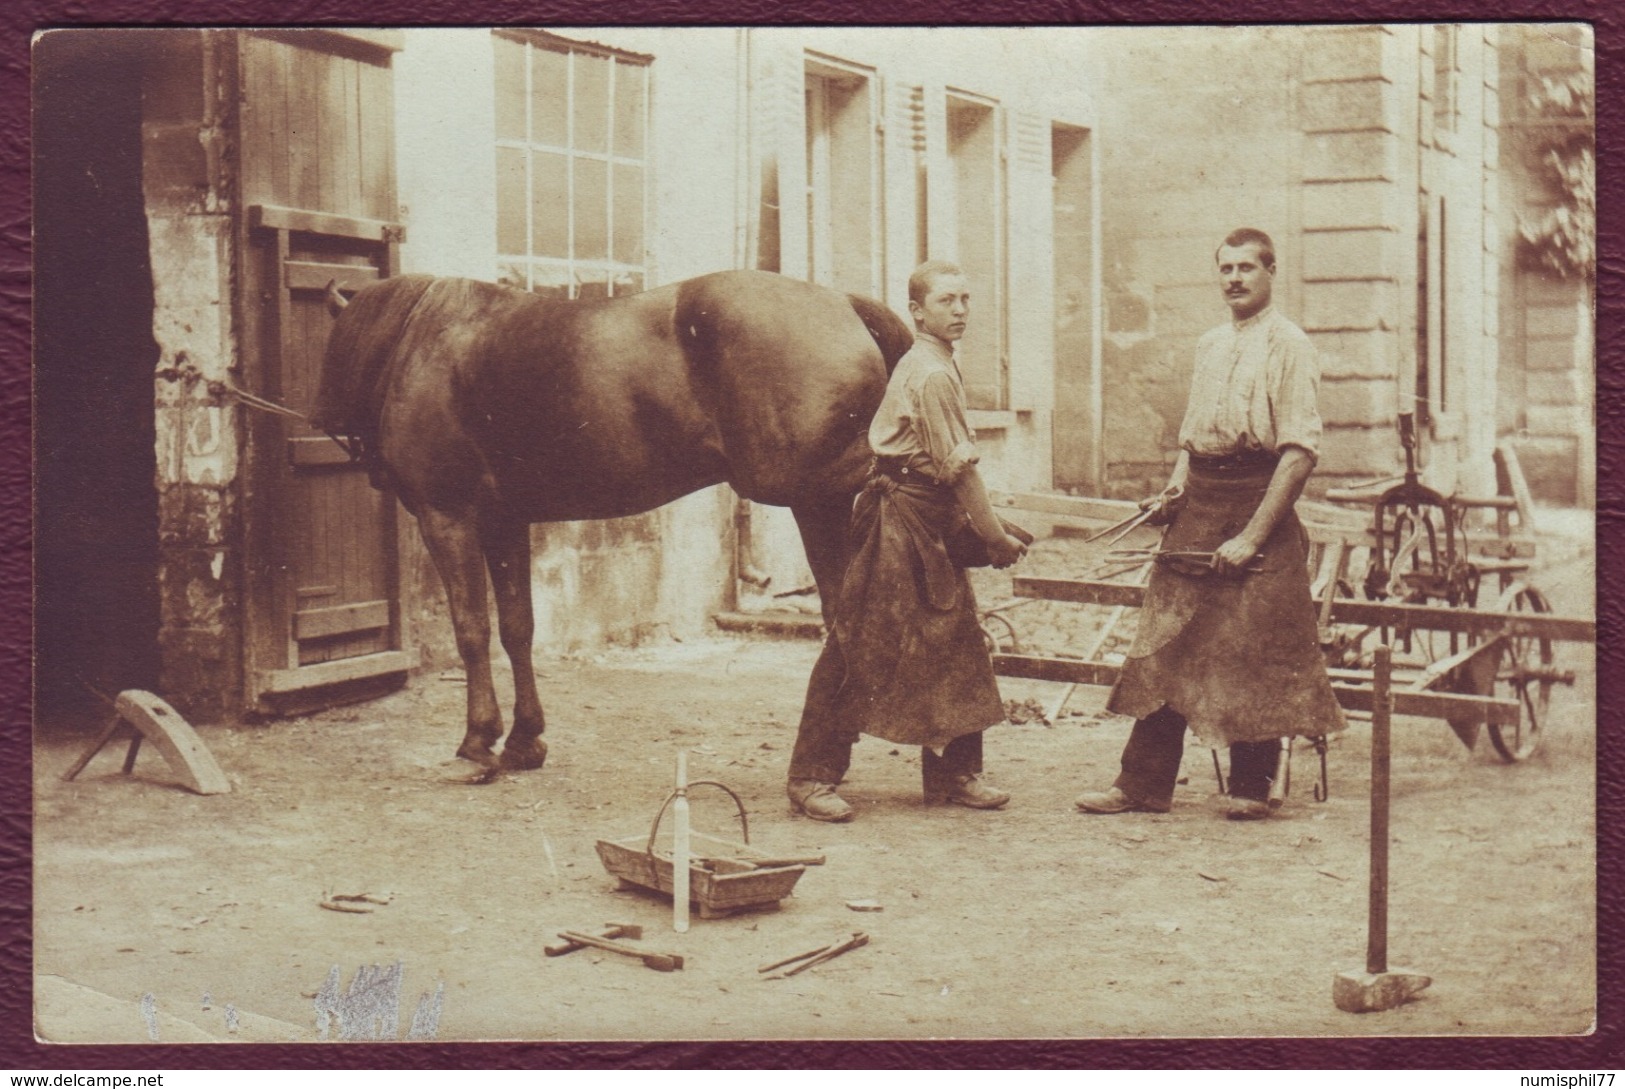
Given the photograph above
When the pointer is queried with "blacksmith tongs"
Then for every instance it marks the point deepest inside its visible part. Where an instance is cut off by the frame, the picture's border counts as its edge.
(1178, 558)
(1151, 508)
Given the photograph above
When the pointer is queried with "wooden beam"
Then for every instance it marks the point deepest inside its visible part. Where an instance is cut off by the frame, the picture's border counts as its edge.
(1327, 514)
(1067, 506)
(1081, 591)
(276, 217)
(1430, 674)
(1352, 697)
(1066, 670)
(330, 620)
(1443, 705)
(1486, 622)
(279, 681)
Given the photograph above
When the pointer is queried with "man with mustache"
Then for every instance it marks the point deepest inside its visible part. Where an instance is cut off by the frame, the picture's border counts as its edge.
(1228, 646)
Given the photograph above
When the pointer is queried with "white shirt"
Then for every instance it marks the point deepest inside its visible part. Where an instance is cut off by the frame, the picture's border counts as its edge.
(1256, 386)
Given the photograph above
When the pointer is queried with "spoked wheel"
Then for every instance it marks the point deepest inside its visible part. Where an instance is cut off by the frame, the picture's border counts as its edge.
(1523, 672)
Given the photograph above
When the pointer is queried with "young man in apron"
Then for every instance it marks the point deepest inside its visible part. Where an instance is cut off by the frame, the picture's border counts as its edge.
(905, 660)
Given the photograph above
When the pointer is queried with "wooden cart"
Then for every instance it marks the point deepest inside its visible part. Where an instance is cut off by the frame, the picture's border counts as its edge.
(1475, 641)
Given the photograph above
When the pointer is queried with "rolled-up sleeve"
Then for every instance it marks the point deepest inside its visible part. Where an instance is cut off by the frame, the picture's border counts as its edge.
(1295, 401)
(943, 430)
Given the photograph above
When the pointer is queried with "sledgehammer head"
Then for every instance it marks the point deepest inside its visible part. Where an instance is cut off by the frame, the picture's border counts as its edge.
(1366, 992)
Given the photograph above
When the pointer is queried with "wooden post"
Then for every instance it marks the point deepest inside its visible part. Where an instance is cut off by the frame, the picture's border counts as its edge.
(1376, 948)
(680, 851)
(1378, 988)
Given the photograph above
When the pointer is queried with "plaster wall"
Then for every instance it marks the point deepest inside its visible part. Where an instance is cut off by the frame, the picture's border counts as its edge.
(1196, 139)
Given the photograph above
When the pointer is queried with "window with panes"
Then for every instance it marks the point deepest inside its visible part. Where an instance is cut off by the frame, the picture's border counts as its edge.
(843, 213)
(572, 124)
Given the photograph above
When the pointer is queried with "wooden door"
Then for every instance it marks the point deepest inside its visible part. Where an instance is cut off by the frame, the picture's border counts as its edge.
(318, 200)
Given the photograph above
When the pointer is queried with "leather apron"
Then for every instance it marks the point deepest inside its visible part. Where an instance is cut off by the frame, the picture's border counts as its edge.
(917, 667)
(1238, 655)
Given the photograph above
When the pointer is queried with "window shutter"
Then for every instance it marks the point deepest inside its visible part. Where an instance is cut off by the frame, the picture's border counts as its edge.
(904, 164)
(1030, 260)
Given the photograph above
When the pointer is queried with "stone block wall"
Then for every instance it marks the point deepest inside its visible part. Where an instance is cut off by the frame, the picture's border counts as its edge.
(1355, 256)
(1298, 131)
(1329, 143)
(198, 436)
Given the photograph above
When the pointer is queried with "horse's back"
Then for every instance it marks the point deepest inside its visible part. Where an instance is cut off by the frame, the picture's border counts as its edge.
(794, 375)
(576, 409)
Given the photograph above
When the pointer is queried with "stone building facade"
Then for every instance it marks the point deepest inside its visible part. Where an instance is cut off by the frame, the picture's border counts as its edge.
(197, 188)
(1374, 155)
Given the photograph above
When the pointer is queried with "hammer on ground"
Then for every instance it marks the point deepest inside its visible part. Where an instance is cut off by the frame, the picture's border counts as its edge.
(660, 962)
(1378, 987)
(610, 932)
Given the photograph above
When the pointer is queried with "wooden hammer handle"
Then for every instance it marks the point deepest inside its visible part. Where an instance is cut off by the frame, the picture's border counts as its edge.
(614, 930)
(660, 962)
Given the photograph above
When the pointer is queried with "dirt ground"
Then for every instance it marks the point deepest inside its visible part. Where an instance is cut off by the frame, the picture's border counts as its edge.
(162, 914)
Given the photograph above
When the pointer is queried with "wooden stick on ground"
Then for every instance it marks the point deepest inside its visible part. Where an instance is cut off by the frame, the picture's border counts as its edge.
(857, 939)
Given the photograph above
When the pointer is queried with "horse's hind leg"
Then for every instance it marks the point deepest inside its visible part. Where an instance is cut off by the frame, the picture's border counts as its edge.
(454, 544)
(507, 555)
(823, 524)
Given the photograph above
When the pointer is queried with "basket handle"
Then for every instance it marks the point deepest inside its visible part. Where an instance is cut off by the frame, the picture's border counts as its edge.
(654, 829)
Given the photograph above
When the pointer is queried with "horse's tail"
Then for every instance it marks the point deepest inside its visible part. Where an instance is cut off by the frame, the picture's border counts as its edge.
(892, 336)
(355, 367)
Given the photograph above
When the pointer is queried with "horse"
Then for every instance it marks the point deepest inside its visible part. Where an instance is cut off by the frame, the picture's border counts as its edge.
(486, 408)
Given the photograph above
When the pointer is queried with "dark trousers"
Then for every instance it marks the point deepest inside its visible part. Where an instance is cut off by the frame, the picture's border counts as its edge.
(824, 746)
(1156, 746)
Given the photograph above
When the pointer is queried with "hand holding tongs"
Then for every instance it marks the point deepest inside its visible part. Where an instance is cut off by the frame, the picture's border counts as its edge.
(1159, 507)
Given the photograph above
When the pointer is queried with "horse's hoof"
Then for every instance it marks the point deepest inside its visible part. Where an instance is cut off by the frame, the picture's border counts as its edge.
(477, 752)
(483, 777)
(525, 756)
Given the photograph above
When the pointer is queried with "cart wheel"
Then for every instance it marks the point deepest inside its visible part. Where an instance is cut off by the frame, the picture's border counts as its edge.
(1520, 656)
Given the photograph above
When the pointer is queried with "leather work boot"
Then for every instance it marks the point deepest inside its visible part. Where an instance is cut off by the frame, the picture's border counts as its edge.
(818, 800)
(968, 791)
(1113, 800)
(1247, 809)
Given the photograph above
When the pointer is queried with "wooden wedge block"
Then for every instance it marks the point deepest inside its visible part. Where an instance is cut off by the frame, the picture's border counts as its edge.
(161, 724)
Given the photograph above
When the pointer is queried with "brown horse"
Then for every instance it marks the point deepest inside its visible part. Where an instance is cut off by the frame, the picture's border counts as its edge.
(486, 409)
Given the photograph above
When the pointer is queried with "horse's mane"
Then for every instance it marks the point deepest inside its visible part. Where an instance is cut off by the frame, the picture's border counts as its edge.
(355, 368)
